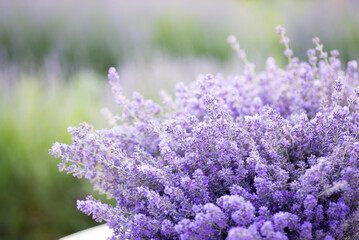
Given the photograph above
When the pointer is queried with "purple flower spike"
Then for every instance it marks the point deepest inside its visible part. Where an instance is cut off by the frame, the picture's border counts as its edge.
(280, 30)
(315, 40)
(288, 52)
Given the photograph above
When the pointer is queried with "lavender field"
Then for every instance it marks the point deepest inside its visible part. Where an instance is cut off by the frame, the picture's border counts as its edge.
(54, 60)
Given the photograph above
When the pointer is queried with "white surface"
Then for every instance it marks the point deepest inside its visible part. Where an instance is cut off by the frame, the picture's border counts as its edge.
(101, 232)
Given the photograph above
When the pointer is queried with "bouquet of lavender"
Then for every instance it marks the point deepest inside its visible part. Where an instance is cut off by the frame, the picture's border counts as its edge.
(272, 155)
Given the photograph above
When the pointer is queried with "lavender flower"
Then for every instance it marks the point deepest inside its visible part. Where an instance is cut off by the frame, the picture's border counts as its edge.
(288, 52)
(272, 155)
(285, 41)
(280, 30)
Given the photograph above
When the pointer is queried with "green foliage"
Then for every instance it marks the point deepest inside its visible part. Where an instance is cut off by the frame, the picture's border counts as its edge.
(98, 39)
(30, 45)
(187, 36)
(38, 202)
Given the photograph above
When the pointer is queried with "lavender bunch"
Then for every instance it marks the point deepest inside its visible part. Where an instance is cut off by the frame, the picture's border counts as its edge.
(272, 155)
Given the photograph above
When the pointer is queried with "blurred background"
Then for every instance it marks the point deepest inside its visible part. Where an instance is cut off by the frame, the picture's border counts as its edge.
(54, 58)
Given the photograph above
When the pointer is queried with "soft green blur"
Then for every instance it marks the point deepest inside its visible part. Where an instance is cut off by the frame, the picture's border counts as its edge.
(54, 57)
(38, 202)
(97, 34)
